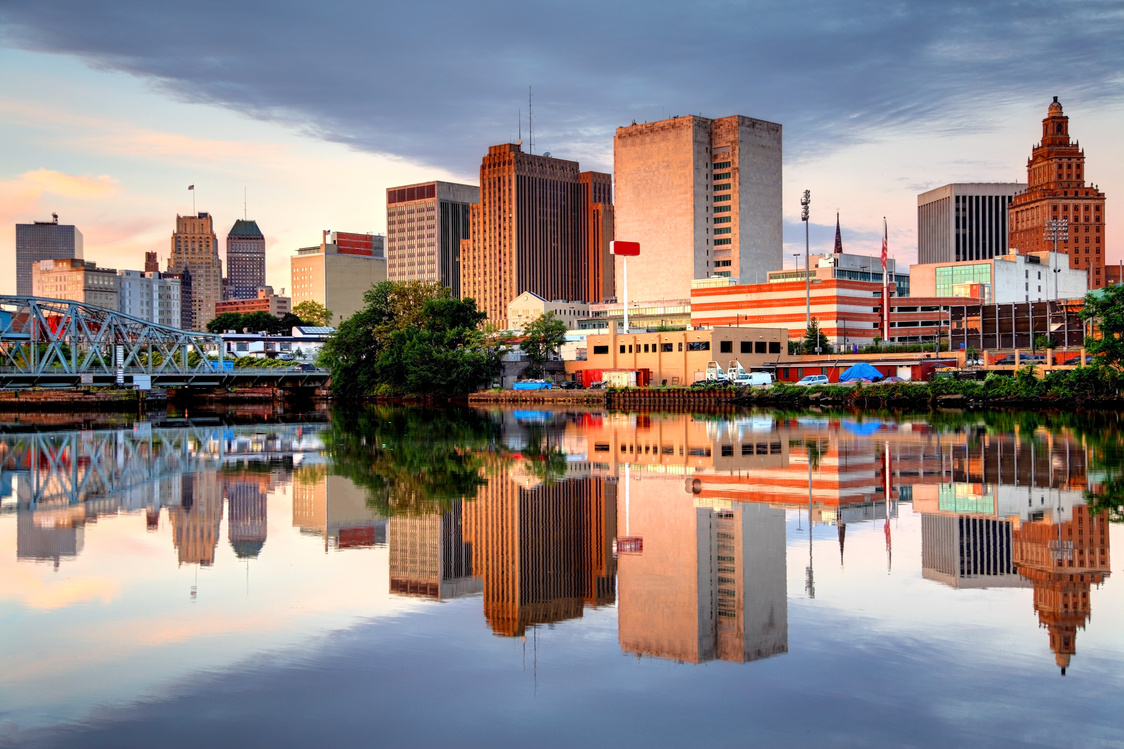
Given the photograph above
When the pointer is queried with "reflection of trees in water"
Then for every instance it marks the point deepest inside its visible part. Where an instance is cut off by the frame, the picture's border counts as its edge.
(411, 461)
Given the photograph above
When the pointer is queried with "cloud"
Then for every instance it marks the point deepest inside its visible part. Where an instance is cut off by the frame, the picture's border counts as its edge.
(438, 83)
(69, 185)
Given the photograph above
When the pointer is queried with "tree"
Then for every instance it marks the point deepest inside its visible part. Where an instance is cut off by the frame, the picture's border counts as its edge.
(412, 338)
(1105, 308)
(313, 313)
(224, 322)
(542, 337)
(815, 338)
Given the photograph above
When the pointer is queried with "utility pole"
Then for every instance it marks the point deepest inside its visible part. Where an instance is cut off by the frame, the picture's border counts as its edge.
(805, 202)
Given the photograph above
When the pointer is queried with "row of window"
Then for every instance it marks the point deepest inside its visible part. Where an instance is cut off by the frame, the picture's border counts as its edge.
(722, 165)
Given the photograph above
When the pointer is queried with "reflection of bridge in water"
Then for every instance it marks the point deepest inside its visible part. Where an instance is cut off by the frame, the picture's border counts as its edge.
(65, 468)
(57, 343)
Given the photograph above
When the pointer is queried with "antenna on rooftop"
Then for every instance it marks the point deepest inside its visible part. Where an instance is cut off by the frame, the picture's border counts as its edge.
(520, 141)
(244, 204)
(530, 123)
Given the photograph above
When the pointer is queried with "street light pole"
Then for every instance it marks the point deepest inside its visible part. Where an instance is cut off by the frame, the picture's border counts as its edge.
(805, 202)
(1056, 229)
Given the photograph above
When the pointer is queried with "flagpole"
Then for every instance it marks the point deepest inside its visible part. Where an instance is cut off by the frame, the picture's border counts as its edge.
(885, 287)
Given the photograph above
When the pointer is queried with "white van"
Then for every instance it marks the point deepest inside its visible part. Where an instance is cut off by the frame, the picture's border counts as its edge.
(757, 379)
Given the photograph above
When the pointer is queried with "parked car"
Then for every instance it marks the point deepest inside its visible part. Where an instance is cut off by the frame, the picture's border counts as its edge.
(757, 379)
(597, 385)
(571, 385)
(812, 380)
(973, 362)
(892, 380)
(306, 368)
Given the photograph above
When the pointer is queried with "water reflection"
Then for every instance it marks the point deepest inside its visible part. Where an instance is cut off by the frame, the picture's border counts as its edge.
(683, 523)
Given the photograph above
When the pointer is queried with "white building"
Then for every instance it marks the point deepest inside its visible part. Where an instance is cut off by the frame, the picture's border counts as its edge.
(303, 345)
(529, 306)
(1011, 278)
(149, 296)
(964, 221)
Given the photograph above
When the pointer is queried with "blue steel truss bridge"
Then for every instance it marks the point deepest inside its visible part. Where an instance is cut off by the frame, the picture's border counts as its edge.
(63, 344)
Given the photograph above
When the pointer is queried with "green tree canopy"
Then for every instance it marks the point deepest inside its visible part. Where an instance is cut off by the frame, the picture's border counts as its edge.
(224, 322)
(542, 337)
(1105, 308)
(412, 338)
(313, 313)
(814, 337)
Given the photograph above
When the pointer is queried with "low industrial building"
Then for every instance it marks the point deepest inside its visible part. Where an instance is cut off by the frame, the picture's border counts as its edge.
(265, 301)
(680, 357)
(338, 271)
(529, 306)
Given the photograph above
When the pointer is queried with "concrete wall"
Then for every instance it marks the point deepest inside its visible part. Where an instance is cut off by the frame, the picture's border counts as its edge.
(760, 207)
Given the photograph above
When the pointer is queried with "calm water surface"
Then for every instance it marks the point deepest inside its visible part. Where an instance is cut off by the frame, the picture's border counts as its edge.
(404, 577)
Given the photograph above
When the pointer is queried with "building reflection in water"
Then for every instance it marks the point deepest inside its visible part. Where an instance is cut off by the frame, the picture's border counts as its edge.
(542, 548)
(335, 509)
(1012, 514)
(429, 556)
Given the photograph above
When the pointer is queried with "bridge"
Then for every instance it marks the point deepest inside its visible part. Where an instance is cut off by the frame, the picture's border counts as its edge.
(55, 469)
(63, 344)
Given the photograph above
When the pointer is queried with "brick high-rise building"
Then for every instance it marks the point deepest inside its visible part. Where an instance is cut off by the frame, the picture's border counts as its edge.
(196, 248)
(540, 226)
(43, 240)
(702, 197)
(425, 226)
(245, 259)
(1056, 189)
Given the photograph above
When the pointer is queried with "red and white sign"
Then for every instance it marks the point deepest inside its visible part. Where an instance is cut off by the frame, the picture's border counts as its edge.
(618, 247)
(630, 545)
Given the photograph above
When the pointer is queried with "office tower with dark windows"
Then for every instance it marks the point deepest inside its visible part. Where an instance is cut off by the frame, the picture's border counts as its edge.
(43, 240)
(536, 228)
(245, 259)
(425, 224)
(195, 248)
(702, 197)
(964, 221)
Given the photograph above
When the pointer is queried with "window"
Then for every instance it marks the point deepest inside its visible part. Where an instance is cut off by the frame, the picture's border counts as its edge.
(725, 230)
(759, 347)
(721, 175)
(747, 347)
(723, 241)
(721, 209)
(775, 346)
(727, 451)
(721, 263)
(722, 165)
(600, 349)
(718, 198)
(726, 347)
(698, 346)
(622, 349)
(630, 348)
(722, 220)
(680, 345)
(666, 347)
(645, 348)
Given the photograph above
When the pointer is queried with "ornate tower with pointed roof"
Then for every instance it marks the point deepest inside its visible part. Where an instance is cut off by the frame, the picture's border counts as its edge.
(838, 236)
(1056, 189)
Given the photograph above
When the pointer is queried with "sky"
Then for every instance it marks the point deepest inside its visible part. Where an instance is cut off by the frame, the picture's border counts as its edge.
(301, 114)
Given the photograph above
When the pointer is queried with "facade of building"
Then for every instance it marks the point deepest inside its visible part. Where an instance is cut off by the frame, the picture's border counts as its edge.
(843, 266)
(667, 314)
(245, 260)
(528, 307)
(680, 357)
(425, 225)
(264, 301)
(702, 197)
(849, 312)
(149, 296)
(338, 272)
(196, 248)
(964, 221)
(1056, 189)
(186, 296)
(534, 230)
(1003, 279)
(43, 240)
(77, 280)
(429, 557)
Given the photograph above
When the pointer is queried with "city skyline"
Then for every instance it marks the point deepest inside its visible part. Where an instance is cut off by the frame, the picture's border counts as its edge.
(126, 128)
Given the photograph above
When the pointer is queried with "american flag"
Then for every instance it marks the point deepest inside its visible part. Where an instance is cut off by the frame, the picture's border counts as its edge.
(192, 187)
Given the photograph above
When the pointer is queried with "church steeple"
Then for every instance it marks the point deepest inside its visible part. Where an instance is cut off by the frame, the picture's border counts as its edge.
(838, 236)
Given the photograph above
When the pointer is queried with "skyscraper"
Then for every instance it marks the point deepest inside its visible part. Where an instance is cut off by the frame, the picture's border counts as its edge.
(540, 226)
(245, 259)
(425, 225)
(964, 221)
(43, 240)
(1056, 189)
(195, 248)
(702, 197)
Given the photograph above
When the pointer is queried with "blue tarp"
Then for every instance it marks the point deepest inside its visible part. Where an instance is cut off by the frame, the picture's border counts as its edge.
(864, 429)
(861, 371)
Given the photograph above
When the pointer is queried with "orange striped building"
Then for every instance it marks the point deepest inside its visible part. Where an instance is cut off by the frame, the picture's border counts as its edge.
(849, 312)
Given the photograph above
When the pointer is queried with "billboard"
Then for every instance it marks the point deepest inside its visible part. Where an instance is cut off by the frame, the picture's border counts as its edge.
(618, 247)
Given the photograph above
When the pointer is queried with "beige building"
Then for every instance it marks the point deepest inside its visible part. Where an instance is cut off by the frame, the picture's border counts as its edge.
(196, 248)
(77, 280)
(335, 276)
(265, 301)
(529, 306)
(680, 357)
(335, 509)
(425, 225)
(702, 197)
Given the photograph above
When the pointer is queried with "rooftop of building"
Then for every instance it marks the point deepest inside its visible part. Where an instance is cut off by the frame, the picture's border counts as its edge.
(244, 228)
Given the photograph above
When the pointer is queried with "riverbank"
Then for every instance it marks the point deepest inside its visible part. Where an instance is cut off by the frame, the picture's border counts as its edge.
(19, 401)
